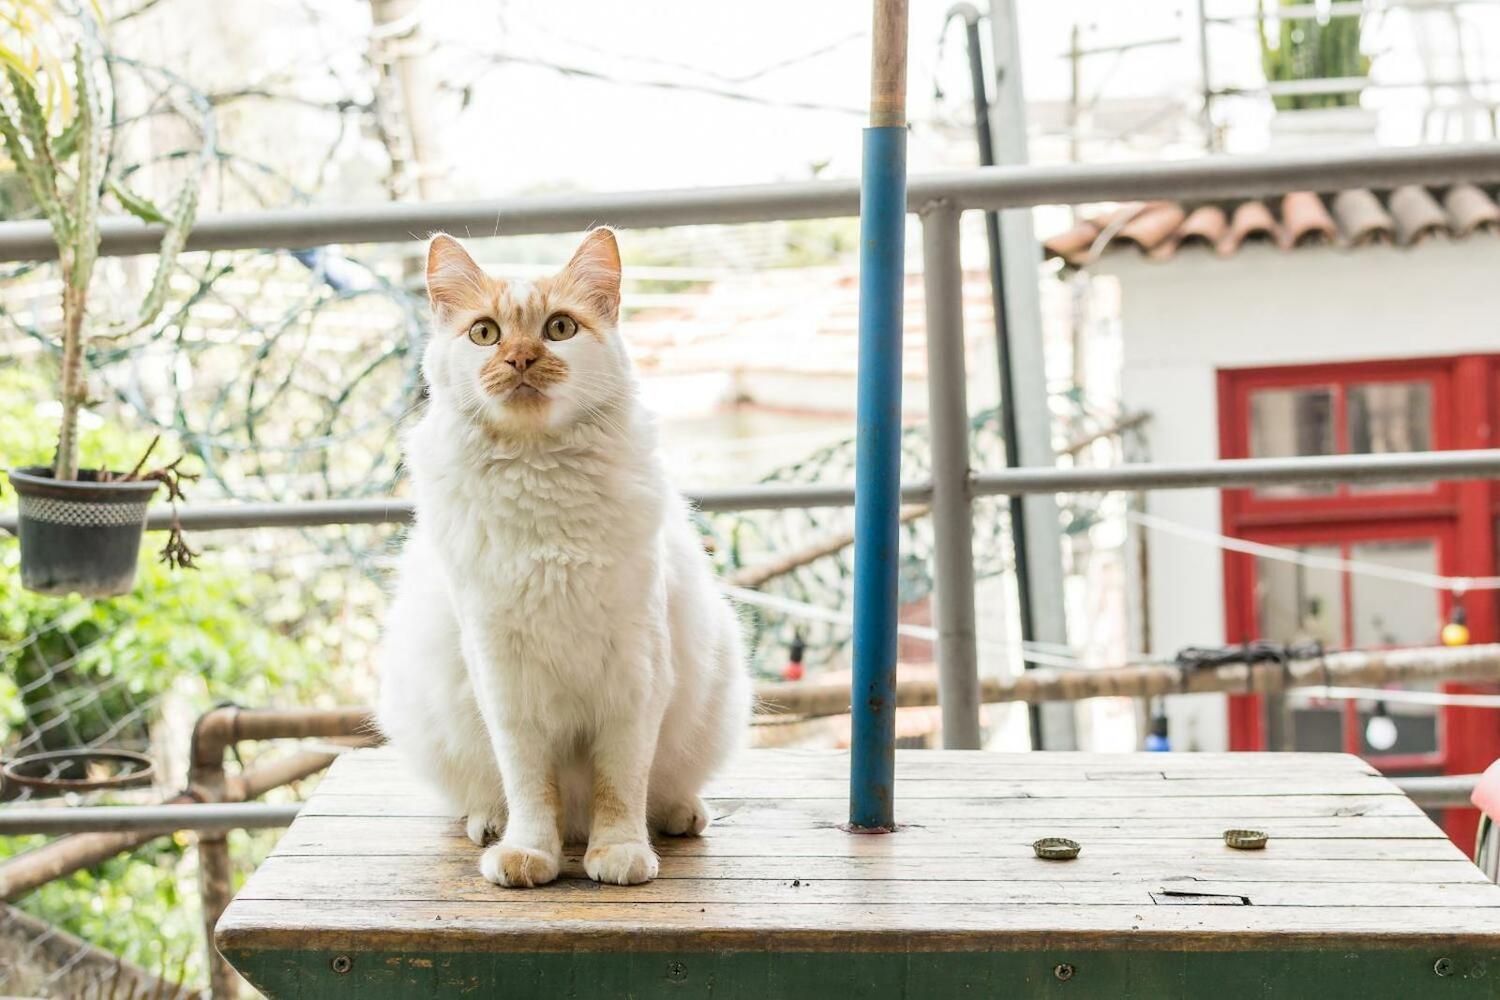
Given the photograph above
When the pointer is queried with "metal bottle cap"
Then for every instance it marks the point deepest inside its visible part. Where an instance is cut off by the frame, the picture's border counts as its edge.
(1056, 849)
(1245, 840)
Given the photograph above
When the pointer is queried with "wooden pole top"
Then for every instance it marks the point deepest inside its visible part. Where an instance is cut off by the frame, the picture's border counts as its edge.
(888, 65)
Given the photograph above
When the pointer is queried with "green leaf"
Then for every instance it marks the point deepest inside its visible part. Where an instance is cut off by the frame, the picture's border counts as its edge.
(142, 208)
(66, 143)
(13, 61)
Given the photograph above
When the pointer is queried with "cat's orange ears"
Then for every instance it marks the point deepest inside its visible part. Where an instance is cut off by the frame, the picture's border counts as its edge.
(453, 279)
(594, 271)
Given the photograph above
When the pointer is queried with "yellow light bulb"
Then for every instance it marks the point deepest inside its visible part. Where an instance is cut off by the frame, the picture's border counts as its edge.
(1455, 634)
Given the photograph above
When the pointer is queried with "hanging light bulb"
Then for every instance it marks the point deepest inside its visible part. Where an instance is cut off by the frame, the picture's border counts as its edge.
(1380, 731)
(1157, 740)
(793, 670)
(1456, 632)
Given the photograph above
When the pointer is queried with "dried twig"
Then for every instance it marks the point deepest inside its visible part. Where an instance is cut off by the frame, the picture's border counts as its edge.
(175, 552)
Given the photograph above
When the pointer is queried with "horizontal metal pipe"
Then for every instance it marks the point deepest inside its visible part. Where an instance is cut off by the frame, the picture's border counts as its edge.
(67, 854)
(783, 496)
(984, 188)
(1227, 473)
(295, 514)
(1244, 472)
(317, 513)
(214, 816)
(1440, 792)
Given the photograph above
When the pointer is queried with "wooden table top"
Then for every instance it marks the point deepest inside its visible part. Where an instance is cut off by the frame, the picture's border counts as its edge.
(373, 862)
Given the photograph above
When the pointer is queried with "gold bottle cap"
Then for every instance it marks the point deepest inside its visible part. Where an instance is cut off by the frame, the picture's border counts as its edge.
(1056, 849)
(1245, 840)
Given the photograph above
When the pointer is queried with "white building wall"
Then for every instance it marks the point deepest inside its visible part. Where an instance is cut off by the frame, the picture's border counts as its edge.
(1185, 319)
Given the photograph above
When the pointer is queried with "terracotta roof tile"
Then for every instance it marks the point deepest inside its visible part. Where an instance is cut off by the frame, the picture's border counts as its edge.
(1417, 214)
(1205, 226)
(1074, 243)
(1251, 220)
(1348, 219)
(1153, 223)
(1305, 221)
(1362, 219)
(1470, 209)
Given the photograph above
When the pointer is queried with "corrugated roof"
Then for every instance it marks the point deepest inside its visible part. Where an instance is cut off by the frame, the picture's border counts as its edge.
(1354, 218)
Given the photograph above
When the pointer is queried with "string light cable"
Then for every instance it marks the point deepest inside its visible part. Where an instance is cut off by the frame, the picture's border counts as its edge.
(1434, 581)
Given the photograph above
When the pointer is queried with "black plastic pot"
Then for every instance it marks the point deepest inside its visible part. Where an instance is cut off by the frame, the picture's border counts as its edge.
(79, 536)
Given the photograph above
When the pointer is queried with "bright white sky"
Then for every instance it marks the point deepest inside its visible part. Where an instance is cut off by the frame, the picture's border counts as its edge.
(532, 124)
(550, 129)
(601, 135)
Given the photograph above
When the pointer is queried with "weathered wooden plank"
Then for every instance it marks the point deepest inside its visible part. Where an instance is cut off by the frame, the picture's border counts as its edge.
(1027, 830)
(1098, 863)
(806, 812)
(433, 835)
(540, 923)
(948, 765)
(1071, 973)
(819, 882)
(376, 782)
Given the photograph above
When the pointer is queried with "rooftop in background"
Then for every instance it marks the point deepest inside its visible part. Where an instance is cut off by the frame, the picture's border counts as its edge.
(1349, 219)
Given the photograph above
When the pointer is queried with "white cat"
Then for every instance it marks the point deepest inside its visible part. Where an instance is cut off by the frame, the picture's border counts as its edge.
(557, 660)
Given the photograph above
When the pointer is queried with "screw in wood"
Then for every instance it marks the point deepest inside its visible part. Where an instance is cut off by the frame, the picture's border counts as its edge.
(341, 964)
(1443, 966)
(1064, 972)
(676, 971)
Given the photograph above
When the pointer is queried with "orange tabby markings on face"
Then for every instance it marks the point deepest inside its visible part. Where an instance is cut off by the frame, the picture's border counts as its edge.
(588, 289)
(520, 362)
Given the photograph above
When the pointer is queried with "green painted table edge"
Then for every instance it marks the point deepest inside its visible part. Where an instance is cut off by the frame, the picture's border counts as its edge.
(1327, 974)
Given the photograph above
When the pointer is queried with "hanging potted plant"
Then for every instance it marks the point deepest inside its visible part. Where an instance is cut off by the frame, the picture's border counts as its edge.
(80, 529)
(1316, 51)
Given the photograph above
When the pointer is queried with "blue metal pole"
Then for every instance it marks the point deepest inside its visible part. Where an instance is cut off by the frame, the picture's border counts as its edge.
(877, 478)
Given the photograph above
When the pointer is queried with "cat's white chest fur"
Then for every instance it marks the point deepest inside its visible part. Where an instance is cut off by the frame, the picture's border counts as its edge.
(547, 557)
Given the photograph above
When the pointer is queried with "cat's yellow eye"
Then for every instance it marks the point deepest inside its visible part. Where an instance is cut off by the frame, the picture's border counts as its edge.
(561, 327)
(485, 332)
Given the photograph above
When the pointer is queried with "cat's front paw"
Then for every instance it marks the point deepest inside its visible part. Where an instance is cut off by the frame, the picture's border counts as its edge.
(517, 867)
(621, 864)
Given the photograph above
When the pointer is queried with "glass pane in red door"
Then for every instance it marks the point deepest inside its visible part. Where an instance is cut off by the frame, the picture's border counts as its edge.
(1389, 417)
(1296, 603)
(1386, 613)
(1286, 423)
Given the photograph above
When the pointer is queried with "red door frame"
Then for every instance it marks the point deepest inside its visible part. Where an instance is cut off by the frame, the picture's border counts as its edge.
(1460, 517)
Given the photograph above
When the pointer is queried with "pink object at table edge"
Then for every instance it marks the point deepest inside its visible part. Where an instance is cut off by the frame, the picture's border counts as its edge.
(1486, 795)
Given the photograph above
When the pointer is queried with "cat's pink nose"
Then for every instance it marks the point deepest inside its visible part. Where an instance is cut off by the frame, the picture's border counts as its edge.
(520, 364)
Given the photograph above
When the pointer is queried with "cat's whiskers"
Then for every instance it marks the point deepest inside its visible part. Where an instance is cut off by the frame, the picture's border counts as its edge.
(603, 419)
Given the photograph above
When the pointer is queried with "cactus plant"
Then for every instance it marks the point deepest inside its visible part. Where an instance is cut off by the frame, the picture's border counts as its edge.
(57, 137)
(1317, 49)
(80, 530)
